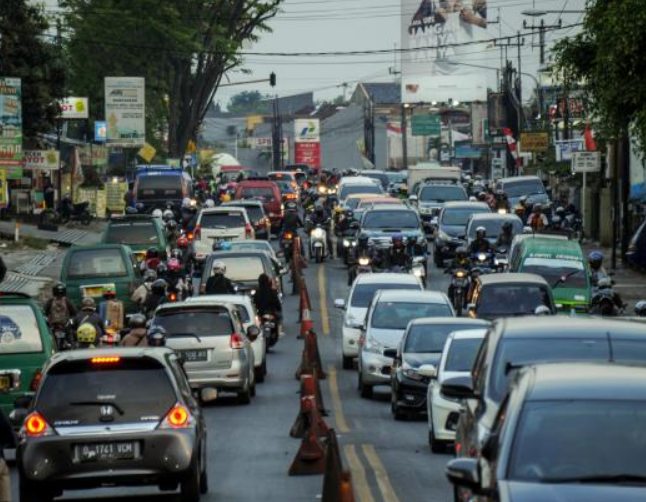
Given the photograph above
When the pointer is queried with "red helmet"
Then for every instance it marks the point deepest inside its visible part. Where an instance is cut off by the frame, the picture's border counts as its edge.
(173, 265)
(182, 243)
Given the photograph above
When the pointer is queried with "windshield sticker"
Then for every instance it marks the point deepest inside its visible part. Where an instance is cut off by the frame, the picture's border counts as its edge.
(9, 330)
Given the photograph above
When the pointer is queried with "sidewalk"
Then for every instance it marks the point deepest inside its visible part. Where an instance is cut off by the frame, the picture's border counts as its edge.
(65, 235)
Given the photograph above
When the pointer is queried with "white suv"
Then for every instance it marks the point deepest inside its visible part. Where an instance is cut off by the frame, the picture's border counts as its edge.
(226, 223)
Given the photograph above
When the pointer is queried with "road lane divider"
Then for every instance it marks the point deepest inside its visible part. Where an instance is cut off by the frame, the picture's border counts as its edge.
(311, 455)
(325, 319)
(337, 406)
(337, 483)
(358, 474)
(383, 481)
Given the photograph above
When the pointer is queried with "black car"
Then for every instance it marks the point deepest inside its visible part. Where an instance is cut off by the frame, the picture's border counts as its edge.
(118, 417)
(451, 228)
(422, 344)
(567, 433)
(513, 343)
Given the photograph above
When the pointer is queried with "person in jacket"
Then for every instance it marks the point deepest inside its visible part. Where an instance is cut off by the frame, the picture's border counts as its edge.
(156, 297)
(136, 336)
(58, 309)
(218, 283)
(266, 298)
(143, 290)
(88, 314)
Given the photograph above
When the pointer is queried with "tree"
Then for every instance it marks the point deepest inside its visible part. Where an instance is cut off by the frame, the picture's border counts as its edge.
(249, 102)
(26, 55)
(183, 49)
(608, 57)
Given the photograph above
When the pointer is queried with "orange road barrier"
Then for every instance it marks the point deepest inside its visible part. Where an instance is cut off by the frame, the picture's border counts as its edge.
(311, 456)
(337, 483)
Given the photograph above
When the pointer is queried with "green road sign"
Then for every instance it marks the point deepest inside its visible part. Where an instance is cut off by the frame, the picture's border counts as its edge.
(426, 125)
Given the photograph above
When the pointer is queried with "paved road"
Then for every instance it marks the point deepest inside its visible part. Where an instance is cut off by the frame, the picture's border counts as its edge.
(249, 447)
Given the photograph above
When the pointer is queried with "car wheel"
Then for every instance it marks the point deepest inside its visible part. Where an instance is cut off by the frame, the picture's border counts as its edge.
(244, 396)
(436, 445)
(348, 363)
(364, 390)
(34, 492)
(190, 486)
(261, 372)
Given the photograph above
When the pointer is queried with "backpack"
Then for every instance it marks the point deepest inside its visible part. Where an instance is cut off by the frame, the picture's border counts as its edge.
(58, 312)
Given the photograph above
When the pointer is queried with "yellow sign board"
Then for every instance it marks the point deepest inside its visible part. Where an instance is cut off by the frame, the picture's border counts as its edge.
(147, 152)
(191, 147)
(534, 141)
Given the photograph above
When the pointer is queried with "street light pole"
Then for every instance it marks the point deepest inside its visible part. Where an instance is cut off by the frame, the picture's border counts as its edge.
(404, 136)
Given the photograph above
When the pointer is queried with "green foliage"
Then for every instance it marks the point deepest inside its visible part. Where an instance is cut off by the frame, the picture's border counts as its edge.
(36, 60)
(608, 55)
(248, 103)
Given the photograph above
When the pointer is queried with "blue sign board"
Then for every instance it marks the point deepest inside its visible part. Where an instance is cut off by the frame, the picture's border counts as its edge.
(100, 131)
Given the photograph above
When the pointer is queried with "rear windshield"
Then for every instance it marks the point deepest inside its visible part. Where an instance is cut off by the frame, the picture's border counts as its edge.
(493, 227)
(507, 299)
(159, 187)
(203, 323)
(462, 354)
(244, 313)
(96, 263)
(364, 293)
(244, 268)
(234, 219)
(281, 176)
(263, 193)
(429, 337)
(553, 270)
(382, 178)
(255, 213)
(460, 216)
(143, 232)
(79, 393)
(390, 219)
(397, 315)
(442, 194)
(525, 187)
(19, 333)
(356, 189)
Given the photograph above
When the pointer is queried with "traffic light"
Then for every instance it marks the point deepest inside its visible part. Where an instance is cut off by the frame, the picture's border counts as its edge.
(272, 79)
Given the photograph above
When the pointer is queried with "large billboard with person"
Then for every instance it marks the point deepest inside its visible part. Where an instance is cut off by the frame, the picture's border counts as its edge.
(436, 35)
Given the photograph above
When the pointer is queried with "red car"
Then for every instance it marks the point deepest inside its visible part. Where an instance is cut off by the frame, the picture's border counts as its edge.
(267, 192)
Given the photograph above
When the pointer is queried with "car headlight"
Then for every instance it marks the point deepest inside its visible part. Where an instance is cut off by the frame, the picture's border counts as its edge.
(317, 233)
(373, 346)
(410, 372)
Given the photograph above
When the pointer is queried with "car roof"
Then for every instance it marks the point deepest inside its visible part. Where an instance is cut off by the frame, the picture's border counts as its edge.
(389, 208)
(243, 203)
(126, 218)
(587, 381)
(357, 180)
(220, 299)
(494, 216)
(158, 353)
(465, 334)
(512, 278)
(387, 278)
(466, 204)
(89, 247)
(569, 327)
(409, 295)
(220, 209)
(241, 253)
(462, 321)
(196, 302)
(518, 178)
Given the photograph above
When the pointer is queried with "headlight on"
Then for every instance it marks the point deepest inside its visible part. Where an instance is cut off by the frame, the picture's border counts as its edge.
(317, 233)
(460, 274)
(418, 272)
(346, 243)
(482, 257)
(364, 262)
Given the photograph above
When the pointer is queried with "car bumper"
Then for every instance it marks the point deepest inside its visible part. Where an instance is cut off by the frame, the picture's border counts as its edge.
(411, 395)
(443, 417)
(350, 342)
(162, 456)
(234, 377)
(375, 368)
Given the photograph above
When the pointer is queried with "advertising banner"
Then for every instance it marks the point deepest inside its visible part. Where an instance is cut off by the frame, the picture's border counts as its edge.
(74, 108)
(42, 159)
(10, 122)
(308, 153)
(94, 155)
(586, 162)
(3, 189)
(479, 124)
(100, 131)
(125, 111)
(115, 193)
(436, 34)
(534, 141)
(307, 130)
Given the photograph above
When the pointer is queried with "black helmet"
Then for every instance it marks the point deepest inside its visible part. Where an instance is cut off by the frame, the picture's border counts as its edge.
(59, 290)
(507, 227)
(398, 241)
(152, 253)
(161, 269)
(156, 336)
(482, 196)
(560, 211)
(349, 213)
(481, 233)
(171, 226)
(595, 259)
(363, 240)
(137, 321)
(640, 308)
(158, 287)
(461, 253)
(291, 206)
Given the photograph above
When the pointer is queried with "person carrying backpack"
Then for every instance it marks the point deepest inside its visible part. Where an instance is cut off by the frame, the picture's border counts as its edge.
(58, 309)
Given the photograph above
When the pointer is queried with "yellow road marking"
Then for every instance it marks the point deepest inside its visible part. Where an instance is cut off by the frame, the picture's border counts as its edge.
(383, 481)
(359, 480)
(339, 417)
(325, 321)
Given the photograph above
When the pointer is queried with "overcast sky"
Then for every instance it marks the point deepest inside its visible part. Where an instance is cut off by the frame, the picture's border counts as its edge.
(345, 25)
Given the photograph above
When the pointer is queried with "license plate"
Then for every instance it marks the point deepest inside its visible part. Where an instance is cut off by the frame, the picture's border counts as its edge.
(95, 291)
(106, 451)
(5, 383)
(194, 355)
(140, 257)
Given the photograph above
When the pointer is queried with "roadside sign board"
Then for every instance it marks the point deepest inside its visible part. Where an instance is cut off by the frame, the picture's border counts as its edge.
(41, 159)
(74, 108)
(534, 141)
(125, 111)
(586, 162)
(100, 131)
(10, 123)
(426, 125)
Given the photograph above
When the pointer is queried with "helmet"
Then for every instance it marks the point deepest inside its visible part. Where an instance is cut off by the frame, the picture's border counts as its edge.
(152, 253)
(523, 200)
(219, 268)
(168, 215)
(291, 206)
(481, 233)
(640, 308)
(560, 211)
(171, 225)
(595, 258)
(363, 240)
(174, 265)
(461, 253)
(482, 196)
(59, 289)
(225, 197)
(156, 336)
(88, 303)
(542, 310)
(109, 292)
(158, 287)
(137, 321)
(86, 333)
(398, 241)
(157, 213)
(182, 243)
(161, 269)
(507, 227)
(472, 199)
(349, 213)
(186, 203)
(209, 203)
(150, 276)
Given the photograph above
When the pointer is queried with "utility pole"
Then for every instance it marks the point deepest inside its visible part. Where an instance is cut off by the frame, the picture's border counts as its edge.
(519, 85)
(276, 139)
(404, 138)
(542, 28)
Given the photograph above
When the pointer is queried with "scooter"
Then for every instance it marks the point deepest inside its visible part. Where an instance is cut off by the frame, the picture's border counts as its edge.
(69, 211)
(287, 245)
(270, 329)
(418, 269)
(605, 301)
(61, 337)
(318, 244)
(459, 289)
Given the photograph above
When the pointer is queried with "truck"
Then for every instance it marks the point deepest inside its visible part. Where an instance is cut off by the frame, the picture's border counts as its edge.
(431, 171)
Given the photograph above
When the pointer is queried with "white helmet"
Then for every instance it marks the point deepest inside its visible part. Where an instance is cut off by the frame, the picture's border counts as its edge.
(157, 213)
(209, 203)
(168, 215)
(219, 268)
(186, 202)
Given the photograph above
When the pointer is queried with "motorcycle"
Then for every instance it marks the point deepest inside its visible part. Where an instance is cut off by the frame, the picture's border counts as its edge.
(287, 245)
(460, 289)
(606, 302)
(111, 338)
(364, 265)
(68, 211)
(318, 243)
(61, 337)
(501, 260)
(418, 269)
(269, 326)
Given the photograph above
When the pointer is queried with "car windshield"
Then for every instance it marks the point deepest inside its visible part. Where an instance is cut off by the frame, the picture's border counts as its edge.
(570, 440)
(143, 232)
(462, 354)
(460, 216)
(234, 219)
(363, 293)
(553, 270)
(88, 263)
(375, 220)
(159, 187)
(265, 194)
(500, 300)
(442, 194)
(19, 332)
(398, 177)
(423, 338)
(527, 187)
(200, 322)
(493, 227)
(352, 203)
(242, 268)
(357, 189)
(517, 352)
(397, 315)
(381, 177)
(255, 213)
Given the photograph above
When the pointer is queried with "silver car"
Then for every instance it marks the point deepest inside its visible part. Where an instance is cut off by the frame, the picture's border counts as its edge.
(216, 350)
(388, 316)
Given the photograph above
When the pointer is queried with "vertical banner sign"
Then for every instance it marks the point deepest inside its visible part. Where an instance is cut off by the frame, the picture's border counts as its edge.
(3, 189)
(125, 111)
(479, 124)
(307, 146)
(11, 155)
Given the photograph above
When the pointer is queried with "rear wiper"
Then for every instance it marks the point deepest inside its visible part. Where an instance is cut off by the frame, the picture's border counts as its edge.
(563, 279)
(98, 403)
(191, 335)
(600, 478)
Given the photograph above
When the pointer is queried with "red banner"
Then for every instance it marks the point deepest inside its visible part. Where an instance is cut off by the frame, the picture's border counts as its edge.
(309, 153)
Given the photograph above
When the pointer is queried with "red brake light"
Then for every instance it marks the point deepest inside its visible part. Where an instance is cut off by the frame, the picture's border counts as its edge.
(177, 418)
(35, 381)
(36, 426)
(248, 229)
(106, 360)
(172, 297)
(288, 235)
(237, 342)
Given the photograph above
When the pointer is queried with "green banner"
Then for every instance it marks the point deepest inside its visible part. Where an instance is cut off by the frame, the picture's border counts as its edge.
(426, 125)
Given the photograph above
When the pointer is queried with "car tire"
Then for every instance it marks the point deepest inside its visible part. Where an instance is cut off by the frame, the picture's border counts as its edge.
(436, 445)
(398, 414)
(244, 396)
(31, 491)
(261, 372)
(364, 390)
(190, 487)
(348, 362)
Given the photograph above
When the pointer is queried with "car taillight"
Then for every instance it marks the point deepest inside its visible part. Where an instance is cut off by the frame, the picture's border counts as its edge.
(237, 342)
(36, 426)
(35, 381)
(197, 233)
(172, 297)
(106, 360)
(177, 418)
(248, 229)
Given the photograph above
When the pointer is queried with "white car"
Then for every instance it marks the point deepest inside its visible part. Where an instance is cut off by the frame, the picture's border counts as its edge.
(363, 289)
(227, 223)
(247, 311)
(460, 350)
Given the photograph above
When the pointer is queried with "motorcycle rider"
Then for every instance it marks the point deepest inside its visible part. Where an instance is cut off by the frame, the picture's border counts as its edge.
(175, 278)
(522, 209)
(362, 250)
(156, 336)
(506, 235)
(87, 336)
(267, 300)
(537, 220)
(111, 309)
(597, 271)
(460, 261)
(58, 309)
(502, 202)
(345, 221)
(292, 223)
(398, 257)
(152, 259)
(142, 292)
(481, 244)
(156, 297)
(218, 283)
(136, 336)
(322, 217)
(88, 315)
(172, 231)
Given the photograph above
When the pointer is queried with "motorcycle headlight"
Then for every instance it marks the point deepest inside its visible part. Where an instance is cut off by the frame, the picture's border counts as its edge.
(418, 272)
(373, 346)
(364, 262)
(502, 210)
(346, 243)
(317, 233)
(322, 190)
(411, 372)
(482, 257)
(460, 274)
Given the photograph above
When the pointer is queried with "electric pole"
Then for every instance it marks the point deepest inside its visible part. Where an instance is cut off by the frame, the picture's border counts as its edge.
(541, 28)
(519, 84)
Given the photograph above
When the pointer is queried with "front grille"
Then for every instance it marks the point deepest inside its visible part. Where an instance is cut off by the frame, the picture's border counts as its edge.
(412, 398)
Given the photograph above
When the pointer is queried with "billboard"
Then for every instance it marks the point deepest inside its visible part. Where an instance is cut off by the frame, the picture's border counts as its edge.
(307, 130)
(307, 142)
(42, 159)
(74, 108)
(10, 122)
(436, 34)
(125, 111)
(534, 141)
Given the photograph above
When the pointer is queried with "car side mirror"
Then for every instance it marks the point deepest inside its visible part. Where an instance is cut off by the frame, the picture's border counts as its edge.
(413, 199)
(208, 395)
(17, 417)
(427, 370)
(339, 303)
(459, 388)
(253, 332)
(390, 353)
(465, 473)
